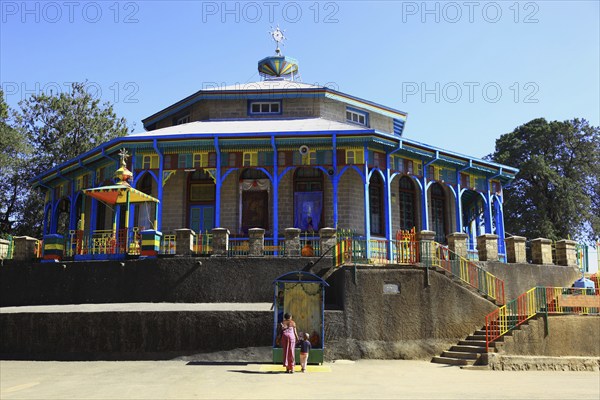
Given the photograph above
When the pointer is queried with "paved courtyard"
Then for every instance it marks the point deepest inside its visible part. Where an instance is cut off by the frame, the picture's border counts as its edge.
(366, 379)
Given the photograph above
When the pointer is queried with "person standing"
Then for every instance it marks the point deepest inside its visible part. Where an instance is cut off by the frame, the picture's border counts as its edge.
(305, 347)
(289, 336)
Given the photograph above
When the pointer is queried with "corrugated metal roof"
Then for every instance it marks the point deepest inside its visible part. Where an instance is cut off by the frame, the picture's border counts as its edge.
(252, 126)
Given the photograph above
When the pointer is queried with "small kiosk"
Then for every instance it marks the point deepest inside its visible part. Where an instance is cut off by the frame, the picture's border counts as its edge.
(301, 294)
(118, 243)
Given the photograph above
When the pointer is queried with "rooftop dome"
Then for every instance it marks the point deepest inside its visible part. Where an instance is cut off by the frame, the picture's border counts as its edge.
(278, 67)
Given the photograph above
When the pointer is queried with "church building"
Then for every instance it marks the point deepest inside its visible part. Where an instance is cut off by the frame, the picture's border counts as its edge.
(276, 154)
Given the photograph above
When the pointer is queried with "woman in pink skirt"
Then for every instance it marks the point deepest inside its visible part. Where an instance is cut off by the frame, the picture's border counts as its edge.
(289, 335)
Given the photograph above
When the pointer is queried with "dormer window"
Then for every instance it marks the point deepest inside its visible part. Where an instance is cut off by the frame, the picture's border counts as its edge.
(264, 107)
(183, 120)
(357, 117)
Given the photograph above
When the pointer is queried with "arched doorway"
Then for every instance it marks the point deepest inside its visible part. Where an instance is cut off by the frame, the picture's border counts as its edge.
(201, 201)
(406, 202)
(376, 205)
(145, 212)
(63, 216)
(308, 199)
(437, 212)
(255, 187)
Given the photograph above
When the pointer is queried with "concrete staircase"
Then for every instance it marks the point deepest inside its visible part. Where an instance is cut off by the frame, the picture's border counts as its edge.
(466, 352)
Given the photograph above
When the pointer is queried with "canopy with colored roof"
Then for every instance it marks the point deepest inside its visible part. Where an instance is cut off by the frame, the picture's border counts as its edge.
(117, 194)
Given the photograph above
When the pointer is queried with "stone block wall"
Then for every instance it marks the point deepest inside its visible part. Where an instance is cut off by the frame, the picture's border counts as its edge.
(286, 201)
(230, 202)
(351, 202)
(174, 204)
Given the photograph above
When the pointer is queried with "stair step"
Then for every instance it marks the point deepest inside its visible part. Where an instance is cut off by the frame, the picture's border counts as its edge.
(468, 342)
(451, 361)
(468, 349)
(476, 337)
(461, 354)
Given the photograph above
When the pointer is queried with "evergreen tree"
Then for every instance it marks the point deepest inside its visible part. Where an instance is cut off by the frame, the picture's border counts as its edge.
(556, 192)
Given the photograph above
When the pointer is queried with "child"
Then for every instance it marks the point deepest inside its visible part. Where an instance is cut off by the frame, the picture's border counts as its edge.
(304, 350)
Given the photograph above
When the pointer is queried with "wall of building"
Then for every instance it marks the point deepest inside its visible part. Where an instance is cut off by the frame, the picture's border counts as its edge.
(417, 322)
(291, 108)
(176, 279)
(174, 204)
(567, 335)
(129, 335)
(519, 278)
(230, 202)
(351, 202)
(363, 321)
(286, 202)
(336, 111)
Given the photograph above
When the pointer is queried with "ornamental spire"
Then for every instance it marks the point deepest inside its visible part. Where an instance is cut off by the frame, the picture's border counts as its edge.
(123, 174)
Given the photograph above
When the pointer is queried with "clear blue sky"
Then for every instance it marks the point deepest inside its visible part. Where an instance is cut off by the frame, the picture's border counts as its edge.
(441, 62)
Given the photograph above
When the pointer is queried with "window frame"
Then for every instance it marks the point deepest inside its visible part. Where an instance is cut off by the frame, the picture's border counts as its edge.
(358, 113)
(184, 119)
(270, 103)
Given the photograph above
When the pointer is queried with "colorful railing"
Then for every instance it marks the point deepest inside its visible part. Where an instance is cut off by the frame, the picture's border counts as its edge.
(540, 300)
(203, 244)
(238, 246)
(463, 269)
(168, 244)
(271, 249)
(121, 241)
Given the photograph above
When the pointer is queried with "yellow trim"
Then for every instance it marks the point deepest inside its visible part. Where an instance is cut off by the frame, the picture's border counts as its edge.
(250, 158)
(54, 246)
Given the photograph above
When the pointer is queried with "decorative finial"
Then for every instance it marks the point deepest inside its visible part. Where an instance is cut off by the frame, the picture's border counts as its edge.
(124, 156)
(123, 174)
(278, 37)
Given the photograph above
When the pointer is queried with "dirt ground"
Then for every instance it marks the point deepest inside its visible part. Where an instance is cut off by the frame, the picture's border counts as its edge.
(248, 374)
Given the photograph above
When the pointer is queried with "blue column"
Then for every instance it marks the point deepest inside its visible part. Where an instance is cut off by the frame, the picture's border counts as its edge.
(487, 211)
(424, 207)
(459, 214)
(499, 220)
(335, 181)
(366, 200)
(218, 185)
(47, 209)
(54, 218)
(132, 206)
(160, 185)
(275, 194)
(387, 204)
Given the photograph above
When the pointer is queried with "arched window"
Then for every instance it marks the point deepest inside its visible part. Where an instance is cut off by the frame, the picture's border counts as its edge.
(63, 214)
(438, 215)
(308, 199)
(255, 187)
(376, 204)
(407, 203)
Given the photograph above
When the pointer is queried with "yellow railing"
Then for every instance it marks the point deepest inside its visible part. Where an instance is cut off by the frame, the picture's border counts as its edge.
(465, 270)
(167, 244)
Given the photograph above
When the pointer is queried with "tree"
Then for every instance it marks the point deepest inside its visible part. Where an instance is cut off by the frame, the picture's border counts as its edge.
(56, 128)
(60, 127)
(556, 192)
(13, 153)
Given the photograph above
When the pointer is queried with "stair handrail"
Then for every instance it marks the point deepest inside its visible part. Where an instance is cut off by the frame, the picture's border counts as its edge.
(539, 300)
(463, 269)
